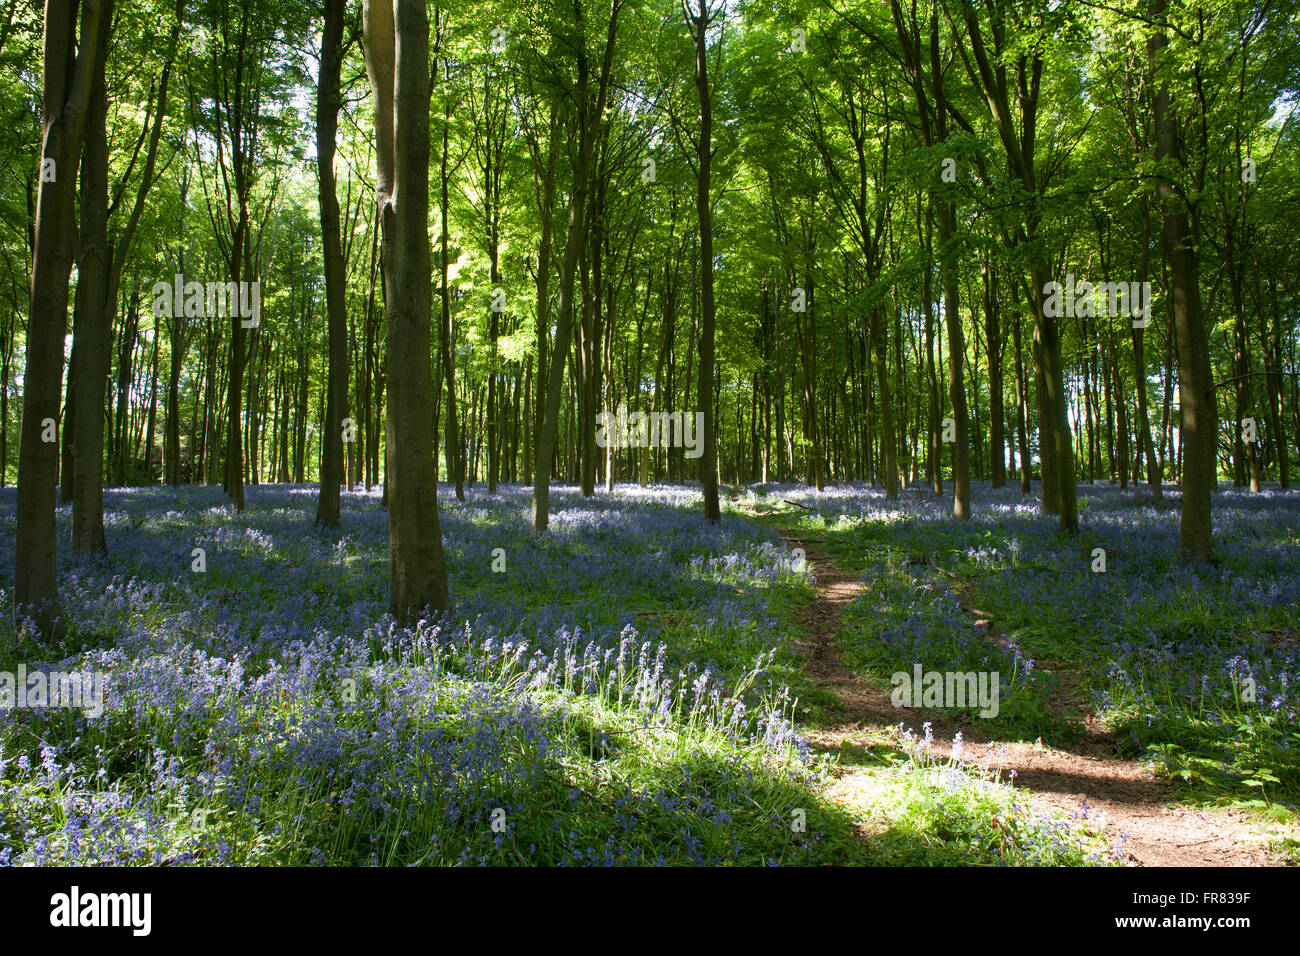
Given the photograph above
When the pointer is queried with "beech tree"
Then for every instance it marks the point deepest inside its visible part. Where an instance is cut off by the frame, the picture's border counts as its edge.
(74, 35)
(1198, 424)
(828, 231)
(699, 21)
(397, 56)
(327, 107)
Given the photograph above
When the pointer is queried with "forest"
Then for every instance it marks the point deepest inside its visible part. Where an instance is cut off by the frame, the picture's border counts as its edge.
(644, 432)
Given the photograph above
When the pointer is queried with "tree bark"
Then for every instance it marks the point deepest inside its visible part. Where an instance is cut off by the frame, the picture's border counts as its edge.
(66, 97)
(704, 206)
(91, 318)
(1195, 377)
(327, 111)
(397, 62)
(455, 445)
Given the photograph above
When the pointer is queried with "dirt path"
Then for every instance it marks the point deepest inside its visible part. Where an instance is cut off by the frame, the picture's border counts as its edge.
(1121, 796)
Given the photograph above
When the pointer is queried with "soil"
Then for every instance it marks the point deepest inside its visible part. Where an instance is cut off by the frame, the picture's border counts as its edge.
(1118, 796)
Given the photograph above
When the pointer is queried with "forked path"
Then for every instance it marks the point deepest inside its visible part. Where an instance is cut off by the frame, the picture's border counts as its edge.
(1121, 796)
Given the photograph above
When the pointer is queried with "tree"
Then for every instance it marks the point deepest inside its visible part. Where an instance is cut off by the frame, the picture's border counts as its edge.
(987, 67)
(99, 281)
(397, 63)
(704, 207)
(70, 58)
(586, 119)
(327, 110)
(91, 320)
(1199, 424)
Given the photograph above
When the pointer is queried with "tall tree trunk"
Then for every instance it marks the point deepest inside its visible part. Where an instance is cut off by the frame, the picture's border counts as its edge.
(1195, 376)
(65, 103)
(544, 179)
(327, 112)
(153, 407)
(1022, 409)
(934, 445)
(956, 355)
(1053, 405)
(1276, 405)
(301, 406)
(455, 445)
(397, 62)
(887, 441)
(947, 221)
(91, 323)
(178, 339)
(586, 345)
(67, 465)
(993, 341)
(704, 206)
(125, 367)
(573, 248)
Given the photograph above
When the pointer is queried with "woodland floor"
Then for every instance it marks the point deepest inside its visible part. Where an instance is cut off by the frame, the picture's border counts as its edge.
(1119, 796)
(640, 688)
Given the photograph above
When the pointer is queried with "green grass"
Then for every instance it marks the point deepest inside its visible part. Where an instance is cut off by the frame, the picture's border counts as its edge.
(1143, 646)
(417, 753)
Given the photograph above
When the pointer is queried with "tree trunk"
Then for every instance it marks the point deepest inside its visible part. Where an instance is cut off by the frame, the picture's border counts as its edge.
(66, 97)
(92, 318)
(152, 417)
(947, 222)
(397, 62)
(956, 356)
(327, 107)
(573, 248)
(1195, 376)
(1022, 409)
(993, 342)
(455, 445)
(704, 206)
